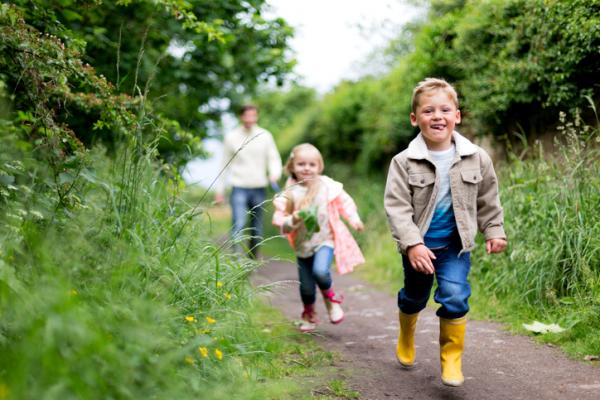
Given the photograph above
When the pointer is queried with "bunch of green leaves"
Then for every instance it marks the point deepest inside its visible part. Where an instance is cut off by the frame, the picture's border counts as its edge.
(310, 220)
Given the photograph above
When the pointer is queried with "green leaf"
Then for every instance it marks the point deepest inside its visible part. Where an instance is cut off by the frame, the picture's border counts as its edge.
(65, 177)
(7, 179)
(311, 222)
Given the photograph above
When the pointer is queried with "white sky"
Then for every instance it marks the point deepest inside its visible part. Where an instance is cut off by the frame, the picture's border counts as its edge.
(333, 37)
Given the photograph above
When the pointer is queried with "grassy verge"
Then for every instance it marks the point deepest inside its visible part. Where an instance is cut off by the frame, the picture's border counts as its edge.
(297, 358)
(122, 293)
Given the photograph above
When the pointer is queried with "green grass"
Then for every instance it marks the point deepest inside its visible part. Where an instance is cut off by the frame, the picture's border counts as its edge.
(125, 294)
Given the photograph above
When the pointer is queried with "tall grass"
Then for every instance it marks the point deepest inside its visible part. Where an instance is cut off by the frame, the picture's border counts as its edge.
(555, 204)
(551, 270)
(125, 295)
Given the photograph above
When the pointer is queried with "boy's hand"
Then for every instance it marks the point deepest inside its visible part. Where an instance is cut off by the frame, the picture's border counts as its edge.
(495, 245)
(420, 258)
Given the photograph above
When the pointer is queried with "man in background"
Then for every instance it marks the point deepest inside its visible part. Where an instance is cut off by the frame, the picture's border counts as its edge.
(250, 162)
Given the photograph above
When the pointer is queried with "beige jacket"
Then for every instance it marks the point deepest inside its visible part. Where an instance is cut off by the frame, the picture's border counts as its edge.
(412, 187)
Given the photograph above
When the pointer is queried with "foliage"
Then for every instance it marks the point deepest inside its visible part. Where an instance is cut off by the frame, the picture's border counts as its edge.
(47, 83)
(280, 108)
(310, 220)
(182, 55)
(128, 298)
(515, 63)
(557, 257)
(110, 286)
(520, 61)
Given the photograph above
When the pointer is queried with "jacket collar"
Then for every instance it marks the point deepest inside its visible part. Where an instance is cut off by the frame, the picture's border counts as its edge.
(417, 149)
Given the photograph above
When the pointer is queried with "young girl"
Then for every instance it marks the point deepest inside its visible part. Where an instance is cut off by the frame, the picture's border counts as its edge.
(307, 189)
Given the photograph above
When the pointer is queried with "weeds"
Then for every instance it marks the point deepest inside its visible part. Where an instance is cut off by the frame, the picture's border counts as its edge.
(101, 300)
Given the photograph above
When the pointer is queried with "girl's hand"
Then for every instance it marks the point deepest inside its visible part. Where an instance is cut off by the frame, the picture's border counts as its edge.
(420, 259)
(359, 226)
(495, 245)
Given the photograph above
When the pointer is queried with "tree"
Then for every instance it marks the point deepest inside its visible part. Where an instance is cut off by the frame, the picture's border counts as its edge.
(181, 55)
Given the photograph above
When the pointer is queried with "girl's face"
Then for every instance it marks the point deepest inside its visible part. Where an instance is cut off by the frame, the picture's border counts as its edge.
(306, 165)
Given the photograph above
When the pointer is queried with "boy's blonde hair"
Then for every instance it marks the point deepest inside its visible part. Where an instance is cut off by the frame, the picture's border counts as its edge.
(289, 169)
(429, 85)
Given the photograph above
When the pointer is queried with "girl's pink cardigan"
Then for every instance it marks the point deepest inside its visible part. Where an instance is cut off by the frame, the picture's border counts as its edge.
(346, 250)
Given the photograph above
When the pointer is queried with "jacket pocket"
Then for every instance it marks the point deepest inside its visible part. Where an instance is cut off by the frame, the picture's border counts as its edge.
(421, 185)
(471, 179)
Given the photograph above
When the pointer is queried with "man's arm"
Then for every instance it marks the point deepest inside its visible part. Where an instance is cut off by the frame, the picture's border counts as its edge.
(273, 160)
(223, 171)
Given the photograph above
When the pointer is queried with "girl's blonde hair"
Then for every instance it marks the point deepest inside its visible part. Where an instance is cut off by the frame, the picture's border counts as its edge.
(289, 169)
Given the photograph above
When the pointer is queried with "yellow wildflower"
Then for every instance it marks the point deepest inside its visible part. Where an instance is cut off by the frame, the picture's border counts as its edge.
(203, 331)
(227, 296)
(190, 318)
(189, 360)
(210, 320)
(218, 354)
(219, 284)
(203, 351)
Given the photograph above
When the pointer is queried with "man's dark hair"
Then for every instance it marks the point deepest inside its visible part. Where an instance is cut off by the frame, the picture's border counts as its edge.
(247, 107)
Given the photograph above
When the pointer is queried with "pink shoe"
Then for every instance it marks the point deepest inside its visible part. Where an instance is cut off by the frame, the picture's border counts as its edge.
(309, 318)
(333, 303)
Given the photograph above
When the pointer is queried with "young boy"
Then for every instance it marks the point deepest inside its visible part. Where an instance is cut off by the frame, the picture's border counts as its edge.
(439, 191)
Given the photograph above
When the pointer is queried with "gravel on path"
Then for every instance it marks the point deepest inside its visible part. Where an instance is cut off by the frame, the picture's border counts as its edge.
(496, 364)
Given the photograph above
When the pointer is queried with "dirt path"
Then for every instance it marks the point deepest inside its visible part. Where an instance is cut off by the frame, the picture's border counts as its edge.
(496, 365)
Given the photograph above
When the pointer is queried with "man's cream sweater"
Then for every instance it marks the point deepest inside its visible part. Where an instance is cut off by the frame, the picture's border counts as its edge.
(250, 159)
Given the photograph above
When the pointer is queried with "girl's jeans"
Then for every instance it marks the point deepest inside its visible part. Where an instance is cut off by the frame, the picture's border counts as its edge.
(314, 271)
(246, 202)
(453, 291)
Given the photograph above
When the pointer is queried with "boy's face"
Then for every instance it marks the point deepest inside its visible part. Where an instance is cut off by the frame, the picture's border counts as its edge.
(436, 116)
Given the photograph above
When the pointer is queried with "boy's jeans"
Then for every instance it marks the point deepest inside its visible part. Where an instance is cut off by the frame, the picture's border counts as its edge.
(243, 202)
(453, 289)
(314, 271)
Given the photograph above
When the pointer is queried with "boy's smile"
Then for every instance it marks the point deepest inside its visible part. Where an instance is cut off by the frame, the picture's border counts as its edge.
(436, 115)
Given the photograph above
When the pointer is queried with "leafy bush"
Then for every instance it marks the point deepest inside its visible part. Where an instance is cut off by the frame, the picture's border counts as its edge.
(111, 285)
(515, 63)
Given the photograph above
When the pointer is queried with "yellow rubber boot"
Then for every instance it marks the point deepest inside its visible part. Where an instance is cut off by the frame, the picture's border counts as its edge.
(405, 349)
(452, 343)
